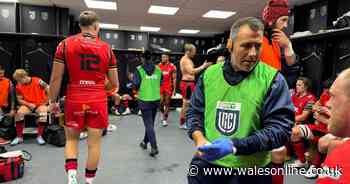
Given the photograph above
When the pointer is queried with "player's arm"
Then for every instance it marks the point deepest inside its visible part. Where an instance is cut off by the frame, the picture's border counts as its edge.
(113, 71)
(173, 77)
(195, 115)
(289, 55)
(45, 86)
(57, 72)
(55, 81)
(306, 112)
(188, 67)
(303, 116)
(284, 42)
(21, 101)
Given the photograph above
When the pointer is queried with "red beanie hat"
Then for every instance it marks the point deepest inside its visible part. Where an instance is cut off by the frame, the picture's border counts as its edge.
(274, 10)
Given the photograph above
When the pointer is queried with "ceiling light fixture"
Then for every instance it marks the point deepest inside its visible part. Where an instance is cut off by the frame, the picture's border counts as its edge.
(150, 29)
(8, 1)
(109, 26)
(189, 31)
(107, 5)
(218, 14)
(164, 10)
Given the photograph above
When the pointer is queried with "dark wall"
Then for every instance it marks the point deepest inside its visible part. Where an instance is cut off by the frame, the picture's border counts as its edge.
(115, 38)
(136, 40)
(37, 19)
(9, 54)
(37, 56)
(63, 21)
(7, 17)
(312, 17)
(332, 49)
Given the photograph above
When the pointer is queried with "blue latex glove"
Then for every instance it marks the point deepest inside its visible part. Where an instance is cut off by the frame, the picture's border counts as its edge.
(217, 149)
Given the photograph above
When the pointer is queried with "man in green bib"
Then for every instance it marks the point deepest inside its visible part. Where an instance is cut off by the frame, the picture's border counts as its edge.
(240, 111)
(147, 80)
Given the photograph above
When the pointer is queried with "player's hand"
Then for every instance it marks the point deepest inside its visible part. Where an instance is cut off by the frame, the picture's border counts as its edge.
(31, 106)
(108, 85)
(281, 38)
(207, 64)
(54, 108)
(325, 111)
(296, 134)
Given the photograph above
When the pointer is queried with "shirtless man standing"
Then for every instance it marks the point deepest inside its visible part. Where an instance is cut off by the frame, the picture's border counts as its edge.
(188, 79)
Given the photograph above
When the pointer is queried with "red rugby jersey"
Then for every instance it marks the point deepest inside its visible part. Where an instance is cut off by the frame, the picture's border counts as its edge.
(167, 71)
(337, 158)
(301, 102)
(87, 59)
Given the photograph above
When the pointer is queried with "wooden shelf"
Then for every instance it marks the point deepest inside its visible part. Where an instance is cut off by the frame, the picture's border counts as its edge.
(325, 35)
(34, 35)
(139, 52)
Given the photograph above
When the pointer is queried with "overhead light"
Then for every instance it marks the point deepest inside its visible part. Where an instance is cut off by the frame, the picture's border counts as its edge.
(108, 5)
(189, 31)
(217, 14)
(109, 26)
(8, 1)
(164, 10)
(150, 29)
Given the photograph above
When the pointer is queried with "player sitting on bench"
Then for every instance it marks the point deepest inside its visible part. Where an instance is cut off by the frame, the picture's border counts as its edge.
(32, 98)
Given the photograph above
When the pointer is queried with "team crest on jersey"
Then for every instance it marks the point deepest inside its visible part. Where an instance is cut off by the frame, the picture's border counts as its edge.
(5, 13)
(227, 117)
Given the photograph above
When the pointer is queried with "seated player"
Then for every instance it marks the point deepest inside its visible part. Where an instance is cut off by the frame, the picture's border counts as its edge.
(7, 99)
(121, 103)
(313, 132)
(127, 102)
(32, 98)
(303, 101)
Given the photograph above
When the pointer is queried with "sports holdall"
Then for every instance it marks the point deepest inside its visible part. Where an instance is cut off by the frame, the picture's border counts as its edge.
(12, 165)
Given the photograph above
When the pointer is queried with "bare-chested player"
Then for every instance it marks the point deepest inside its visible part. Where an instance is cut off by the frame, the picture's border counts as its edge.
(188, 79)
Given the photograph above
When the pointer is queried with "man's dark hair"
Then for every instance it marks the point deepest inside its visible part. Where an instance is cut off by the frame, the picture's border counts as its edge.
(307, 83)
(88, 18)
(147, 55)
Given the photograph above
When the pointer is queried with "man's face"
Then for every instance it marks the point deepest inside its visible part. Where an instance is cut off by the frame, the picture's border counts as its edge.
(246, 49)
(192, 53)
(2, 74)
(282, 23)
(300, 87)
(339, 104)
(22, 80)
(165, 59)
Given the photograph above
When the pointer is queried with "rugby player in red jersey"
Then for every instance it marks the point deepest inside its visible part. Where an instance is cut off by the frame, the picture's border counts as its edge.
(168, 86)
(88, 60)
(339, 125)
